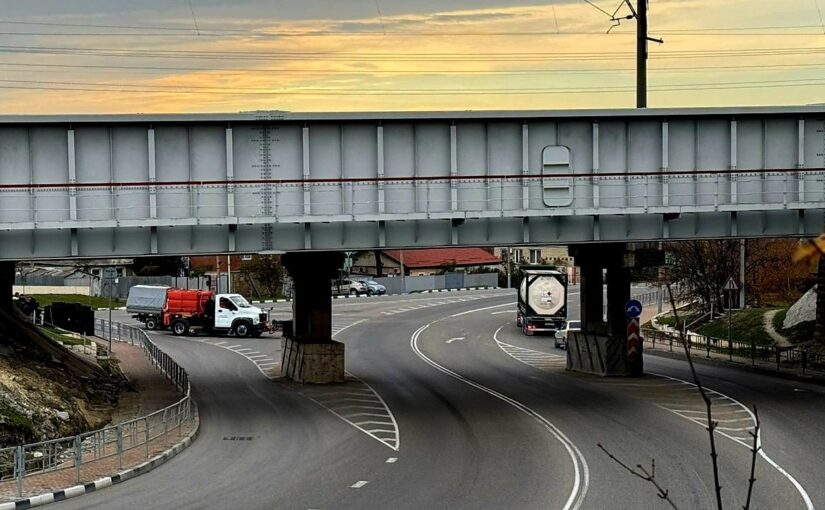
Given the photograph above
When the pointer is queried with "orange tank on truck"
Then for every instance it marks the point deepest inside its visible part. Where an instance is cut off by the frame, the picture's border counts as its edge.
(186, 303)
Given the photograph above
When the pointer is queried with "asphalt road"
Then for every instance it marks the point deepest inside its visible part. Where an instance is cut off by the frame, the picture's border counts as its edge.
(451, 407)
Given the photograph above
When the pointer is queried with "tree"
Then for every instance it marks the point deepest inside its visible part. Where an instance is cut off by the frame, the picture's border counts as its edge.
(266, 272)
(702, 267)
(158, 266)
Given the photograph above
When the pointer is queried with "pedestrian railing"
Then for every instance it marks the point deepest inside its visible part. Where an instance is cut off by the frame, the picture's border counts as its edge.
(778, 358)
(130, 440)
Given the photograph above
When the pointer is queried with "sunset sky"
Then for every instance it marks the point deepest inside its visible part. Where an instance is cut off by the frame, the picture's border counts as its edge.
(119, 56)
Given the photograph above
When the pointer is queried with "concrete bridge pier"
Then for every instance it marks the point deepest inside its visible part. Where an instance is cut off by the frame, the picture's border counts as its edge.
(311, 355)
(602, 347)
(6, 285)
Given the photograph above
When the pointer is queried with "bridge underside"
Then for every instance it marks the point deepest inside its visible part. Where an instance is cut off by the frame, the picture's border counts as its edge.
(356, 235)
(95, 186)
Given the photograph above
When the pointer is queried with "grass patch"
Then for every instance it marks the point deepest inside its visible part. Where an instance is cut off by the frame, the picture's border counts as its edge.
(746, 326)
(15, 418)
(686, 315)
(93, 301)
(801, 333)
(58, 336)
(778, 319)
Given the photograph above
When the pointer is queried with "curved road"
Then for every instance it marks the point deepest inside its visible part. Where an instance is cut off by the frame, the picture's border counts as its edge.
(449, 406)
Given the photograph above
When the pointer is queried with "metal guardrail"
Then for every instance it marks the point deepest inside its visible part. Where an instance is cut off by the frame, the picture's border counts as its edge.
(789, 358)
(75, 452)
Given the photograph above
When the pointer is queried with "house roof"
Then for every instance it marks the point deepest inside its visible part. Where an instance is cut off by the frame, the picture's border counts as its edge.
(437, 257)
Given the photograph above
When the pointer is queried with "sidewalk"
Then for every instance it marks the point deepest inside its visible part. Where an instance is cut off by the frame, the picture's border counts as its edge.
(675, 350)
(153, 392)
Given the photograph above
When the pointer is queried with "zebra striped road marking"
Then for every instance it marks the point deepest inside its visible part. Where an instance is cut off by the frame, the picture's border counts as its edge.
(536, 359)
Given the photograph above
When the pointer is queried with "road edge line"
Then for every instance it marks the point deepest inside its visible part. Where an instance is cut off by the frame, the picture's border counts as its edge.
(809, 505)
(581, 480)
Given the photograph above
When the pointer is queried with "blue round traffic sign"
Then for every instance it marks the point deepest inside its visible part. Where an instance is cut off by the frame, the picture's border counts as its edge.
(633, 308)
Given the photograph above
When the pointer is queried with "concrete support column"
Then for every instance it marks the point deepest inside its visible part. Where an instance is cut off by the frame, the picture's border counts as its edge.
(601, 348)
(618, 294)
(311, 355)
(6, 286)
(592, 300)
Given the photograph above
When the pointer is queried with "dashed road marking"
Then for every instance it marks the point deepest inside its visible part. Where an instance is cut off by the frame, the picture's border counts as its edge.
(359, 484)
(392, 460)
(454, 339)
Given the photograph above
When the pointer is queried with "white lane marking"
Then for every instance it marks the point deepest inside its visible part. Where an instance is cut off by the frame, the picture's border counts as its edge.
(478, 310)
(221, 342)
(232, 347)
(359, 403)
(454, 339)
(802, 492)
(246, 350)
(392, 460)
(581, 478)
(502, 311)
(359, 484)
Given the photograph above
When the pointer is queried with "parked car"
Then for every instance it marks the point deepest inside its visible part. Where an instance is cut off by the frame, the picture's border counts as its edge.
(561, 335)
(374, 288)
(346, 286)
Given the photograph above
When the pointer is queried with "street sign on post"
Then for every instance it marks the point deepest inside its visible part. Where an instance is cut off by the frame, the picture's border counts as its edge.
(731, 285)
(633, 309)
(633, 339)
(109, 289)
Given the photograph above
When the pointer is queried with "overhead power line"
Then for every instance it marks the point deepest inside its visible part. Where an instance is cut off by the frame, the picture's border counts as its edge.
(27, 67)
(263, 91)
(187, 31)
(403, 57)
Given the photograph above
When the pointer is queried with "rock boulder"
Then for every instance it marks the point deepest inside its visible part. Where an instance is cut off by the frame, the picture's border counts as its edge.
(802, 311)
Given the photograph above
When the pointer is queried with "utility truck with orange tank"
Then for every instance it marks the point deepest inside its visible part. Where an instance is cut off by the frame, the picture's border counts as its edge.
(184, 311)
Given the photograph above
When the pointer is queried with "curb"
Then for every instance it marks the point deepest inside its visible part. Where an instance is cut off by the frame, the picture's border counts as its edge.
(102, 483)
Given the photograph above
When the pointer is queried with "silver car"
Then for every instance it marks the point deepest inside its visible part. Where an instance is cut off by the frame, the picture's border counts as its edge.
(561, 335)
(347, 286)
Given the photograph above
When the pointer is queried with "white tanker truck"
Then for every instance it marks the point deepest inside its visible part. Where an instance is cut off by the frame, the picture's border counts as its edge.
(542, 300)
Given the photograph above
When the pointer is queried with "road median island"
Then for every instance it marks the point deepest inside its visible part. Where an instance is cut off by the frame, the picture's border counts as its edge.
(150, 427)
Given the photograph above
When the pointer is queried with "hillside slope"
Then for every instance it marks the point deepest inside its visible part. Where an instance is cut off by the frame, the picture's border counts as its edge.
(47, 391)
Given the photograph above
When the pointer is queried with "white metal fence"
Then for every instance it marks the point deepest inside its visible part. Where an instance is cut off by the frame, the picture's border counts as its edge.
(73, 453)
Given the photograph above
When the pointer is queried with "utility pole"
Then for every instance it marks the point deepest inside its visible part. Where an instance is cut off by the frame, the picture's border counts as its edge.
(641, 54)
(640, 14)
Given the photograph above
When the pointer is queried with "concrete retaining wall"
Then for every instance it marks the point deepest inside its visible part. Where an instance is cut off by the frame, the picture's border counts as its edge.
(601, 355)
(395, 284)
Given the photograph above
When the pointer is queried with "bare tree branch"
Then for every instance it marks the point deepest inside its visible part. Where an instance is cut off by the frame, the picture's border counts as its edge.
(644, 474)
(711, 427)
(754, 452)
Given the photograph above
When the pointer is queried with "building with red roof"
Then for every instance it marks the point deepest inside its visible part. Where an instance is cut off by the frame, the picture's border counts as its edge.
(425, 261)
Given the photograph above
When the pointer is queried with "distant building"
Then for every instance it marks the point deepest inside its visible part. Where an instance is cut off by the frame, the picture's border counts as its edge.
(420, 262)
(552, 255)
